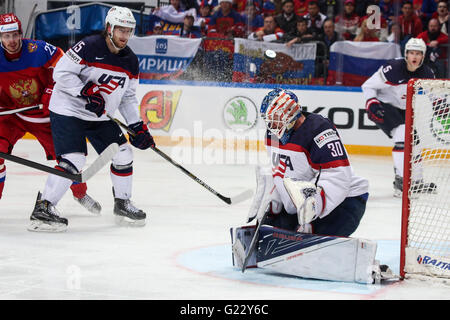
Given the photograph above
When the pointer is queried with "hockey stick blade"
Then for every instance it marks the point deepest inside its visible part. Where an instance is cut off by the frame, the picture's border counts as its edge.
(100, 162)
(247, 194)
(103, 158)
(13, 111)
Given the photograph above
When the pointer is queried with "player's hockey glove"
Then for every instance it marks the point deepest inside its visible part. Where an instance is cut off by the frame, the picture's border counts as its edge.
(95, 101)
(45, 98)
(142, 138)
(375, 110)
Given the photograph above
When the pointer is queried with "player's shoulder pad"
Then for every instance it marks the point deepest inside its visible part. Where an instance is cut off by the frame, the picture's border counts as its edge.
(84, 49)
(39, 51)
(323, 131)
(393, 70)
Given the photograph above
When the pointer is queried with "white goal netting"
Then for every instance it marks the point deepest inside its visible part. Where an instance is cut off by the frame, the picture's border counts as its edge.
(427, 247)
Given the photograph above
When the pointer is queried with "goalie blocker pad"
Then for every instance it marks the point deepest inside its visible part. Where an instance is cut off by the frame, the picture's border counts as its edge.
(308, 255)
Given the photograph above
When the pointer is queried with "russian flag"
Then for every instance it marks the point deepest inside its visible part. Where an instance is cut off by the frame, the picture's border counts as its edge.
(352, 63)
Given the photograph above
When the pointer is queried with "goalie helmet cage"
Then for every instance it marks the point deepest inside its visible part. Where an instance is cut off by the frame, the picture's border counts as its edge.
(425, 239)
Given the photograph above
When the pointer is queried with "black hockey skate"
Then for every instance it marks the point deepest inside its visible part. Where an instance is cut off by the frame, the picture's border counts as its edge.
(89, 204)
(398, 186)
(126, 214)
(45, 218)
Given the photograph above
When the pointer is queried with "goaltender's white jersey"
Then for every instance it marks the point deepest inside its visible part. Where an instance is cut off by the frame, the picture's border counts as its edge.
(388, 84)
(116, 75)
(315, 146)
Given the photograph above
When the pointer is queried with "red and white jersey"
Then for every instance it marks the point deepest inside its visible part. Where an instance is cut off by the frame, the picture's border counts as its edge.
(24, 79)
(315, 146)
(388, 84)
(117, 76)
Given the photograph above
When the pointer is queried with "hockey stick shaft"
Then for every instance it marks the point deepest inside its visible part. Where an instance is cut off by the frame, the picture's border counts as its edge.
(103, 158)
(243, 196)
(13, 111)
(254, 241)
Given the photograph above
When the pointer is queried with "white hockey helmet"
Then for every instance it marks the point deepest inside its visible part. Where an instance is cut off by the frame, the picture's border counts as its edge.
(416, 44)
(120, 16)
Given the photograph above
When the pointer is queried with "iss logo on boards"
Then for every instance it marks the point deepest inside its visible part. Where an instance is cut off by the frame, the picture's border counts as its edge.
(240, 114)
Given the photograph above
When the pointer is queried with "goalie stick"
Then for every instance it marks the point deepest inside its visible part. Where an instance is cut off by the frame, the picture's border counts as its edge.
(254, 241)
(229, 200)
(83, 176)
(12, 111)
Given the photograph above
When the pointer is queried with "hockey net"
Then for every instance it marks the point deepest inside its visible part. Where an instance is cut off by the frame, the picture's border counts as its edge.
(425, 244)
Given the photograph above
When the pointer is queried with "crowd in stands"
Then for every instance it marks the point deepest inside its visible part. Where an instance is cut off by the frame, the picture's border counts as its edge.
(296, 21)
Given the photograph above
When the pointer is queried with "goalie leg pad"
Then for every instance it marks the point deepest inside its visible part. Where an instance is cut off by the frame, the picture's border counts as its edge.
(316, 256)
(241, 237)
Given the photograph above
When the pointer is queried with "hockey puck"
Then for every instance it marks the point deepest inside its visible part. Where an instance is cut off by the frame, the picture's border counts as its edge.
(270, 54)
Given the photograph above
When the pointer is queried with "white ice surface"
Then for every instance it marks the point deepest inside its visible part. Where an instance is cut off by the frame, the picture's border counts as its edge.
(184, 250)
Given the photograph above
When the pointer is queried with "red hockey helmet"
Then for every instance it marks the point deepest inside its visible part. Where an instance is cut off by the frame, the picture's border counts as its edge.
(10, 22)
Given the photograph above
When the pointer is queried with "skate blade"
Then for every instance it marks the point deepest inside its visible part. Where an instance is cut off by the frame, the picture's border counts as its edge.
(398, 193)
(95, 210)
(40, 226)
(127, 222)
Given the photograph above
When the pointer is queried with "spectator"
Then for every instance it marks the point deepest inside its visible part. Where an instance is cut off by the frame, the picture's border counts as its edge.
(188, 30)
(252, 19)
(204, 17)
(287, 20)
(157, 29)
(226, 22)
(366, 34)
(330, 8)
(410, 24)
(388, 9)
(301, 34)
(173, 12)
(442, 16)
(434, 38)
(301, 7)
(269, 32)
(239, 6)
(268, 8)
(347, 23)
(315, 17)
(329, 35)
(395, 34)
(428, 8)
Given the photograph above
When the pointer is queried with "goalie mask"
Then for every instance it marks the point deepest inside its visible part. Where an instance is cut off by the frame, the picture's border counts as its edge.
(280, 110)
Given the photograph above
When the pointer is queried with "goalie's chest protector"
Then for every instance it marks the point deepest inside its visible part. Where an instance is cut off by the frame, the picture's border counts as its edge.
(315, 145)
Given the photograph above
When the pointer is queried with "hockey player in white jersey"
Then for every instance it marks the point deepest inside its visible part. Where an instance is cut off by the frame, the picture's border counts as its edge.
(385, 95)
(97, 76)
(309, 202)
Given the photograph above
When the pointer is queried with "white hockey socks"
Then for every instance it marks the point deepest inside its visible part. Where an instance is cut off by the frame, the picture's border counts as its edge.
(56, 186)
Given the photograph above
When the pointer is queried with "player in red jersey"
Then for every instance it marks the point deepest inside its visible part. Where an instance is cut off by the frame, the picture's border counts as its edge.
(26, 68)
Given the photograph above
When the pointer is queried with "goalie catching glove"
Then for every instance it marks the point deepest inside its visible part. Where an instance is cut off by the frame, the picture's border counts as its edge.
(307, 198)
